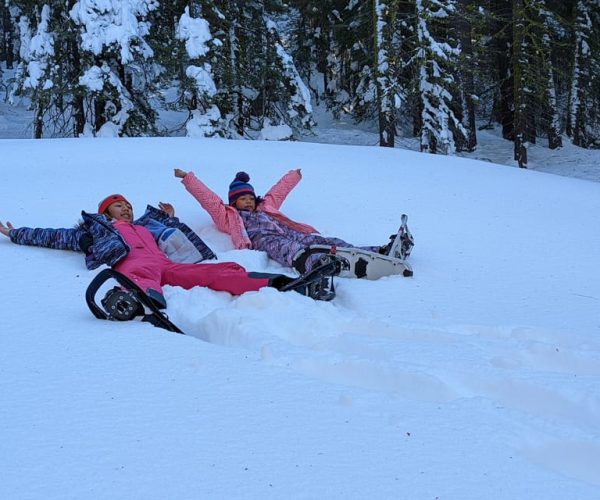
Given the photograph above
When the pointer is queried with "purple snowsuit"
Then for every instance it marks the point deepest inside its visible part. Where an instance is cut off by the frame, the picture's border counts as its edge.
(266, 228)
(281, 242)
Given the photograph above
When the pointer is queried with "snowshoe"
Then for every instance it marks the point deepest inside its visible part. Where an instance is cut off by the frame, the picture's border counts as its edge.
(318, 283)
(356, 262)
(125, 302)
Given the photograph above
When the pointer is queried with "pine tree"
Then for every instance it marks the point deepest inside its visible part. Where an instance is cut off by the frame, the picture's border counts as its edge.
(361, 71)
(344, 56)
(115, 61)
(583, 120)
(386, 97)
(536, 106)
(198, 84)
(501, 20)
(550, 114)
(440, 119)
(258, 85)
(522, 88)
(40, 74)
(7, 54)
(290, 97)
(466, 72)
(304, 32)
(45, 73)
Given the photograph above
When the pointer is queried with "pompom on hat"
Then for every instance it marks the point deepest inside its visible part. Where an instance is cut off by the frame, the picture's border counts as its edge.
(240, 187)
(109, 200)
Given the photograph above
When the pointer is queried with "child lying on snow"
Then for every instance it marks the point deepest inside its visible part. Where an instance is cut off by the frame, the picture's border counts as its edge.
(256, 222)
(155, 250)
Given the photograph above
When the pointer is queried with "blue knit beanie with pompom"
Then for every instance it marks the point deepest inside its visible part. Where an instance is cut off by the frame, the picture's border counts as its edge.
(240, 187)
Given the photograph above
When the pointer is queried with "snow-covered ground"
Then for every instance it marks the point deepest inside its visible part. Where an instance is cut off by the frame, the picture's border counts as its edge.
(477, 378)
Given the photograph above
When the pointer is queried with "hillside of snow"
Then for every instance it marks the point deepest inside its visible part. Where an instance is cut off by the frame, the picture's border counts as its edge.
(476, 378)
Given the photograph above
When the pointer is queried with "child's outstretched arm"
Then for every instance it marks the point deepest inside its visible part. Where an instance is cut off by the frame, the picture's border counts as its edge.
(59, 239)
(210, 201)
(278, 193)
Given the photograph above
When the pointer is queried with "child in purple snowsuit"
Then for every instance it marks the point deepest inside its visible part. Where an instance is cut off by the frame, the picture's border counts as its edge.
(257, 223)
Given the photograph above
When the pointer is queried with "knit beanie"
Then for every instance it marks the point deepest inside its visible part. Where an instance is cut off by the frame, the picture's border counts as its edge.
(109, 200)
(240, 187)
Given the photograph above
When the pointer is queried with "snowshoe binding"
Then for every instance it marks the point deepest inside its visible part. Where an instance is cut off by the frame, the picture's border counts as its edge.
(121, 305)
(318, 282)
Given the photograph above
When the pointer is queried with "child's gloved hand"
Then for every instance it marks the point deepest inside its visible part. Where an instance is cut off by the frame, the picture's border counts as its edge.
(5, 229)
(180, 173)
(167, 208)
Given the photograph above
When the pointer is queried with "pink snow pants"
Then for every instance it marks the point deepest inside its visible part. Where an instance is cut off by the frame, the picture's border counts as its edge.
(148, 267)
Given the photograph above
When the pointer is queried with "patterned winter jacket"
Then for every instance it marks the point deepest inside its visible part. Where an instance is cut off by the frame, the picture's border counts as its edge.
(228, 219)
(102, 243)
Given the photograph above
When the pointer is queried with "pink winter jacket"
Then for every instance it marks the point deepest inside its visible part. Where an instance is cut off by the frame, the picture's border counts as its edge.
(227, 218)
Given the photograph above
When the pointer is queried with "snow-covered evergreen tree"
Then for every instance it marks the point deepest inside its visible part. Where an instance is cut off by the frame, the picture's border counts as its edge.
(523, 91)
(350, 86)
(37, 57)
(387, 96)
(318, 27)
(436, 60)
(48, 70)
(205, 117)
(42, 73)
(117, 70)
(498, 62)
(583, 121)
(288, 97)
(550, 115)
(466, 71)
(247, 68)
(362, 70)
(257, 84)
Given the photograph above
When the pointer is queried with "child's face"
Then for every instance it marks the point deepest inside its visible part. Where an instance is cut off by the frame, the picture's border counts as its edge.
(245, 202)
(120, 210)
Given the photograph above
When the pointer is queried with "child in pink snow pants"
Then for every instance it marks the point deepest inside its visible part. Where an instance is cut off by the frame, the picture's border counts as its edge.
(149, 267)
(153, 251)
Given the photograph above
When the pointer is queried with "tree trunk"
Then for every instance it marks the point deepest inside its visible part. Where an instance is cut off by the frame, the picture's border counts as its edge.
(234, 69)
(38, 121)
(383, 17)
(7, 37)
(520, 94)
(3, 30)
(78, 103)
(467, 77)
(549, 95)
(554, 137)
(99, 118)
(502, 33)
(577, 123)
